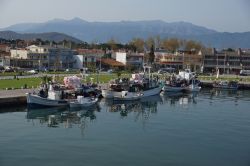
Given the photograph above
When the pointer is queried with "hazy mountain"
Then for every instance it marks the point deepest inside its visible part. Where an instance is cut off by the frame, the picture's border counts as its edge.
(124, 31)
(51, 36)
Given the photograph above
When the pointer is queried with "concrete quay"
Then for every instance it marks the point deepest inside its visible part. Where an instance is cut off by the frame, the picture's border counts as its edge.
(209, 84)
(17, 97)
(13, 97)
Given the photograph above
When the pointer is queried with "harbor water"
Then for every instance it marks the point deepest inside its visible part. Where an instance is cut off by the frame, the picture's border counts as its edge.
(208, 128)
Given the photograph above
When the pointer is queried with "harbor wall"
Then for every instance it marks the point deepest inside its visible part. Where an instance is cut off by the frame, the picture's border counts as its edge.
(13, 101)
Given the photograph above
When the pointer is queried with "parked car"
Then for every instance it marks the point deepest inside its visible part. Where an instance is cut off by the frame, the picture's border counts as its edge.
(245, 72)
(32, 71)
(1, 68)
(110, 71)
(166, 70)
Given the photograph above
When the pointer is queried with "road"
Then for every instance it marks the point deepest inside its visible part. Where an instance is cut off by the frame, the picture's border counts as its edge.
(34, 75)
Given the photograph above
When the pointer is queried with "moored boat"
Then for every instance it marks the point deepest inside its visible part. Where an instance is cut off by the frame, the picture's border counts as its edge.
(140, 83)
(173, 88)
(127, 96)
(193, 87)
(36, 101)
(233, 85)
(83, 102)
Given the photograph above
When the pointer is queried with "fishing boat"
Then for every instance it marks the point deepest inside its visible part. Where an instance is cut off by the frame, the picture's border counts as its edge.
(173, 88)
(126, 96)
(83, 102)
(52, 100)
(194, 86)
(140, 83)
(233, 85)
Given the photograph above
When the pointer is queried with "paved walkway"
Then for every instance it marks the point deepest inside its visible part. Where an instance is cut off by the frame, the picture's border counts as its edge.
(14, 93)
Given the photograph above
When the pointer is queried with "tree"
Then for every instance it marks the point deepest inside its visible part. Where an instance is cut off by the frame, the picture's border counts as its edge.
(151, 57)
(138, 43)
(149, 42)
(192, 45)
(158, 41)
(112, 44)
(172, 44)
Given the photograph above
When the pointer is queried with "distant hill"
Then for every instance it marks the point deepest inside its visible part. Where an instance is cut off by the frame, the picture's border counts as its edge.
(124, 31)
(51, 36)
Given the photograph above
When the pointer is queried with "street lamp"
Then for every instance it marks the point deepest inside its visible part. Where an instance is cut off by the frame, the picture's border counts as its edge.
(61, 64)
(39, 63)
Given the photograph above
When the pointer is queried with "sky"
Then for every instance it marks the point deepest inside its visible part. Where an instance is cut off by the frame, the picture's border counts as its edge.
(220, 15)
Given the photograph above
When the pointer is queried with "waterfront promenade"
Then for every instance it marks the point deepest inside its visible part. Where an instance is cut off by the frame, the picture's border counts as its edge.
(18, 96)
(13, 97)
(14, 93)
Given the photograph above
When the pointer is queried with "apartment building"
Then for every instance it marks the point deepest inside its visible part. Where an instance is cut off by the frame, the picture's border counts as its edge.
(226, 61)
(164, 58)
(42, 57)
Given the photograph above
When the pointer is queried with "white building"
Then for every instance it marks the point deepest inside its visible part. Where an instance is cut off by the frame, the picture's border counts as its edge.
(43, 57)
(127, 58)
(82, 61)
(19, 53)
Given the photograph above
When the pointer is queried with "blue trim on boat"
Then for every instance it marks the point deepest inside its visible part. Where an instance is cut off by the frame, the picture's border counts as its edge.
(37, 106)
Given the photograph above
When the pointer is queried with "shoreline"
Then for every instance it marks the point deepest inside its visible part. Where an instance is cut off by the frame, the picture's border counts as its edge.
(17, 97)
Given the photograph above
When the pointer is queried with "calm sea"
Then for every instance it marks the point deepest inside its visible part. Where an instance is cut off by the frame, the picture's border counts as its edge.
(211, 128)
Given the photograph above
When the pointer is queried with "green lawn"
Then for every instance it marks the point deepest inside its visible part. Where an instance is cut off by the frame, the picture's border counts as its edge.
(14, 74)
(104, 78)
(225, 77)
(18, 83)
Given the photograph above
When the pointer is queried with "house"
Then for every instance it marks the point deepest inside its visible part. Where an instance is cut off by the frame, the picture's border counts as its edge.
(109, 63)
(4, 58)
(87, 58)
(4, 47)
(130, 59)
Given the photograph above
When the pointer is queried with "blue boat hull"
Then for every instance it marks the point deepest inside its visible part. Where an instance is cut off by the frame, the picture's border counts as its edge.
(35, 101)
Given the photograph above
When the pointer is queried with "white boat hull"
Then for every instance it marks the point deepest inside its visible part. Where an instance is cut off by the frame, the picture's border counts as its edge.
(151, 92)
(128, 97)
(35, 101)
(87, 103)
(109, 94)
(167, 88)
(192, 88)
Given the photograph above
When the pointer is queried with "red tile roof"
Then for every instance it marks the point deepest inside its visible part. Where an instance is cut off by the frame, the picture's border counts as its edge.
(112, 62)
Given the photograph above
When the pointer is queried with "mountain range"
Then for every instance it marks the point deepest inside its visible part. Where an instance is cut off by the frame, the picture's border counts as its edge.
(124, 31)
(51, 36)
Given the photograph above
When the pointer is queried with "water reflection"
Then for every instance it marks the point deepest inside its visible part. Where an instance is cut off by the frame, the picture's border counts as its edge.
(140, 111)
(180, 98)
(62, 117)
(148, 104)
